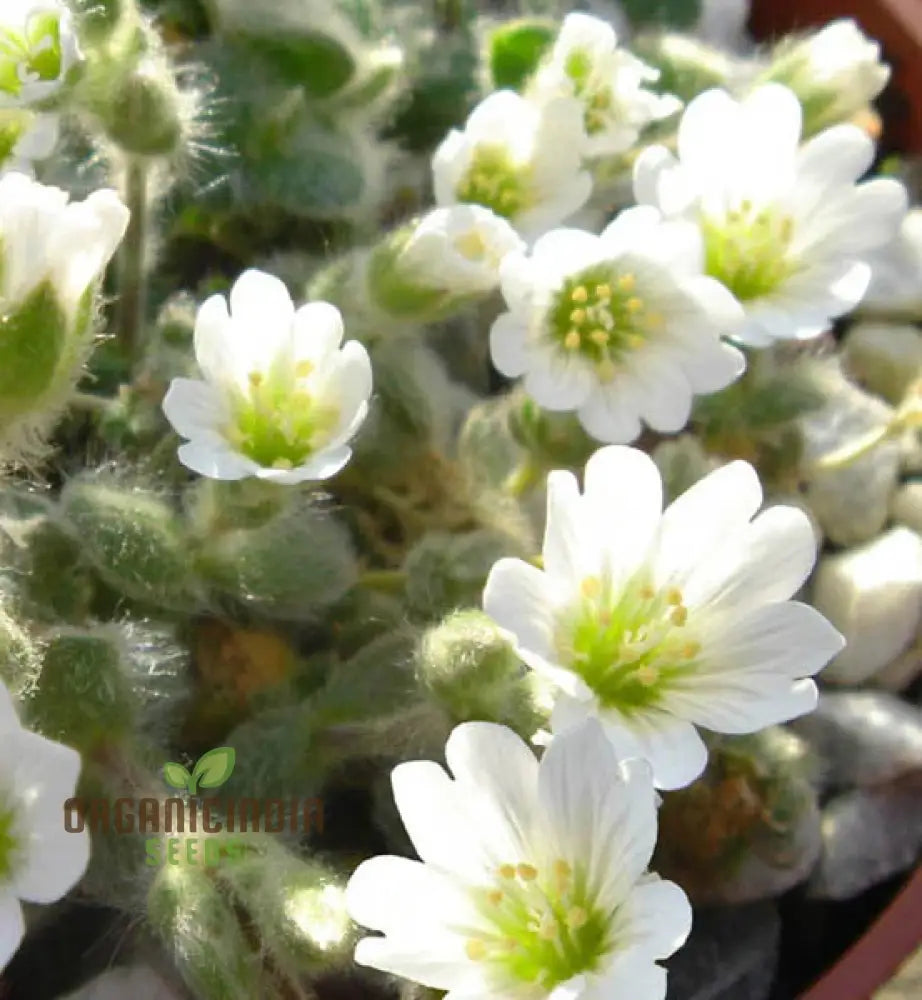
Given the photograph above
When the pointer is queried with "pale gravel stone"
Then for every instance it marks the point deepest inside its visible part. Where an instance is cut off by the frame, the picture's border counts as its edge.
(884, 358)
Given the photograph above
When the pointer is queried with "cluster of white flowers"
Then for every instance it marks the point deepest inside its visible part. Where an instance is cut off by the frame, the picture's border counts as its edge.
(38, 48)
(40, 860)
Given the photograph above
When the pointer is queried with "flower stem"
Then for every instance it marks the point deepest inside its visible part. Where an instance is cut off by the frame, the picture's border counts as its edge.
(132, 271)
(523, 479)
(850, 453)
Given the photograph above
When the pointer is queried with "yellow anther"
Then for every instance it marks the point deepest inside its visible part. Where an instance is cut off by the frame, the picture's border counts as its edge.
(634, 304)
(495, 896)
(654, 321)
(679, 615)
(283, 463)
(603, 292)
(580, 294)
(627, 282)
(599, 337)
(635, 340)
(647, 675)
(591, 586)
(576, 918)
(255, 379)
(572, 341)
(507, 871)
(674, 596)
(562, 870)
(746, 206)
(471, 245)
(526, 872)
(691, 650)
(606, 370)
(476, 950)
(647, 593)
(547, 931)
(578, 316)
(304, 368)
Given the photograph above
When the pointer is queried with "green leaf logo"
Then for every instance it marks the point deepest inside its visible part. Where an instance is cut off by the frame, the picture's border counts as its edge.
(211, 771)
(176, 776)
(213, 768)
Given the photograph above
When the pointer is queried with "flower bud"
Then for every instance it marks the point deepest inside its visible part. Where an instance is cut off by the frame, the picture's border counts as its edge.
(440, 263)
(82, 696)
(835, 73)
(470, 666)
(144, 116)
(52, 255)
(133, 540)
(552, 440)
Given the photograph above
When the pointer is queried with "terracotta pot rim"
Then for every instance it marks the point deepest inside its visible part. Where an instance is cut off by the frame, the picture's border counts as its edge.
(874, 958)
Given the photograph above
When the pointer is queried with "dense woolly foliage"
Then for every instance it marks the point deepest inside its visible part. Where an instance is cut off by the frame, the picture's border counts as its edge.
(451, 454)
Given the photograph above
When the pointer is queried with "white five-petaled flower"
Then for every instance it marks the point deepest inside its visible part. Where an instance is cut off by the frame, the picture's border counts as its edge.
(621, 328)
(533, 882)
(835, 72)
(38, 46)
(610, 83)
(521, 160)
(39, 860)
(785, 228)
(459, 249)
(47, 239)
(281, 398)
(658, 622)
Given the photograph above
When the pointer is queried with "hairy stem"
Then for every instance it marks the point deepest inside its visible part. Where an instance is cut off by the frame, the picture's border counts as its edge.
(132, 271)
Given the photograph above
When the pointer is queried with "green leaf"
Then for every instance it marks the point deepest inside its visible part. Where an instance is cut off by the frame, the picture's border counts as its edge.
(317, 62)
(176, 776)
(214, 768)
(668, 13)
(516, 49)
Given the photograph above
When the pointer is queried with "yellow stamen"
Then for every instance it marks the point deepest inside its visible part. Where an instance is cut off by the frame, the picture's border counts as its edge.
(255, 379)
(634, 305)
(526, 872)
(476, 950)
(599, 337)
(691, 650)
(603, 292)
(576, 918)
(674, 596)
(580, 294)
(304, 368)
(495, 896)
(507, 871)
(572, 340)
(679, 615)
(591, 586)
(627, 283)
(578, 316)
(647, 593)
(562, 870)
(647, 675)
(548, 929)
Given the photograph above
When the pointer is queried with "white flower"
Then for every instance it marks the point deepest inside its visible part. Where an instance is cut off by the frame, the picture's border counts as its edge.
(47, 240)
(458, 249)
(25, 138)
(281, 399)
(39, 860)
(610, 83)
(38, 47)
(521, 161)
(533, 882)
(785, 227)
(621, 327)
(835, 73)
(658, 622)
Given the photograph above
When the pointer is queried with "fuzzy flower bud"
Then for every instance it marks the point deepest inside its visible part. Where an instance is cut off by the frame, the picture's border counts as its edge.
(37, 49)
(52, 255)
(835, 73)
(451, 255)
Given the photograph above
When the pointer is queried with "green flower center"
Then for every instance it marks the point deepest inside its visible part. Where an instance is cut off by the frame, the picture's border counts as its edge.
(596, 97)
(496, 182)
(277, 422)
(630, 646)
(542, 927)
(600, 315)
(748, 250)
(33, 53)
(9, 844)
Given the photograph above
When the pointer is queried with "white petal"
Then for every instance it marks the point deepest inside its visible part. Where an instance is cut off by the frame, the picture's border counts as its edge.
(601, 814)
(12, 927)
(568, 250)
(215, 459)
(744, 702)
(564, 552)
(612, 412)
(9, 720)
(212, 330)
(632, 974)
(558, 384)
(318, 332)
(499, 774)
(660, 180)
(259, 301)
(508, 345)
(390, 893)
(666, 394)
(671, 745)
(837, 156)
(659, 918)
(695, 523)
(439, 964)
(436, 818)
(194, 408)
(324, 465)
(517, 598)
